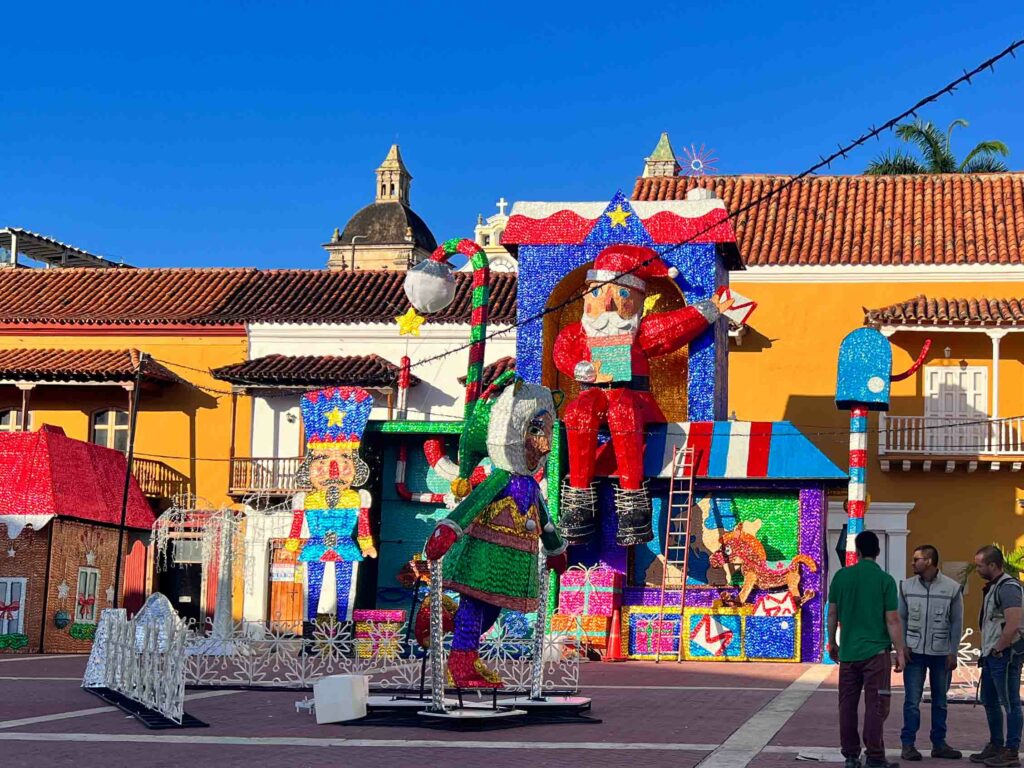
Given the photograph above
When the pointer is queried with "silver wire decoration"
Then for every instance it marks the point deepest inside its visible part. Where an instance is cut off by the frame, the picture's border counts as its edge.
(437, 660)
(543, 590)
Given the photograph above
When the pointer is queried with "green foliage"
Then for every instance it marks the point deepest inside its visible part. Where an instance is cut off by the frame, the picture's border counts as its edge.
(82, 631)
(936, 153)
(13, 641)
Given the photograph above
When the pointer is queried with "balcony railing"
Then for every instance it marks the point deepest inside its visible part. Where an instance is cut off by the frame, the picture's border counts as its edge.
(943, 436)
(159, 480)
(271, 476)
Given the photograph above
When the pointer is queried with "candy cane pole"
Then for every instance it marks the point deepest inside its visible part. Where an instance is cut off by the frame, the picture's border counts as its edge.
(857, 494)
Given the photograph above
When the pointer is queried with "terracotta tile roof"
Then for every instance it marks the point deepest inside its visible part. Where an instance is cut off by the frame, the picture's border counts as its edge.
(494, 370)
(884, 220)
(923, 310)
(113, 365)
(226, 296)
(313, 371)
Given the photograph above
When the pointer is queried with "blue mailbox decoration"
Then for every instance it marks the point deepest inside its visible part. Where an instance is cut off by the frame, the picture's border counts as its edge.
(865, 371)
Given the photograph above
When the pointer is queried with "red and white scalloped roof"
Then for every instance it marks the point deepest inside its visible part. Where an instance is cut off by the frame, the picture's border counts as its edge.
(668, 222)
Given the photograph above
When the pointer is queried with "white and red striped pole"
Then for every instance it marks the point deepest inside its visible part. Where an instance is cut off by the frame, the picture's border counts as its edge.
(857, 494)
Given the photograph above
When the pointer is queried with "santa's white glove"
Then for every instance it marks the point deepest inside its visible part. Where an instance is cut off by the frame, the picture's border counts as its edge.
(584, 372)
(365, 499)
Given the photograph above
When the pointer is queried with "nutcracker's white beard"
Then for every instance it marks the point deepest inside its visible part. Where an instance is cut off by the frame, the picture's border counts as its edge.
(610, 324)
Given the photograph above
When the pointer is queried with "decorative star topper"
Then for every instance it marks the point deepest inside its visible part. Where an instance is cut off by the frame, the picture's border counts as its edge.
(409, 323)
(619, 216)
(10, 552)
(336, 417)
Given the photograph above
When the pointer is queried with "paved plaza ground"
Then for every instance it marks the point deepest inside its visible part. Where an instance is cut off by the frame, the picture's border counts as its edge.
(716, 715)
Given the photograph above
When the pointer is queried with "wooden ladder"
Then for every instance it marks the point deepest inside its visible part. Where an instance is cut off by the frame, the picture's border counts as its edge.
(677, 537)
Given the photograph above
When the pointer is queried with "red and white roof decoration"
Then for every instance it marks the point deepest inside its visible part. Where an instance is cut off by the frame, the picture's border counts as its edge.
(667, 221)
(46, 474)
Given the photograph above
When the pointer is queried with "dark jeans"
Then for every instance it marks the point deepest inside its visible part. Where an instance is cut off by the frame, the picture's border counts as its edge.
(873, 676)
(913, 688)
(1000, 690)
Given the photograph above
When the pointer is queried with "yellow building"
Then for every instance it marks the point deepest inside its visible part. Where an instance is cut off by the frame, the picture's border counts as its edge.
(920, 257)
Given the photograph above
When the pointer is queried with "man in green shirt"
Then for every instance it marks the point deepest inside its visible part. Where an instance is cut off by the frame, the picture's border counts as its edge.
(863, 601)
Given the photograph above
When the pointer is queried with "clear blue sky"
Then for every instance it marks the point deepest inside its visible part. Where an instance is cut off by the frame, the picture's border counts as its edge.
(242, 134)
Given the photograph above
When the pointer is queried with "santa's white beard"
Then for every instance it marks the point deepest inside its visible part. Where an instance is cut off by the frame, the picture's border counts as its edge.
(610, 324)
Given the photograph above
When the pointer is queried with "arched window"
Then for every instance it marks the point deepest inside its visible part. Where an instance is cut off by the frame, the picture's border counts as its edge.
(110, 429)
(10, 420)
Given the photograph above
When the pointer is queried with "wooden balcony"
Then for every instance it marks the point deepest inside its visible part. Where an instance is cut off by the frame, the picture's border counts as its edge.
(272, 476)
(944, 442)
(159, 480)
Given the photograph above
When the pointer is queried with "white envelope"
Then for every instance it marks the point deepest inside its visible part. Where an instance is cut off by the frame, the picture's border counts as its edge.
(741, 309)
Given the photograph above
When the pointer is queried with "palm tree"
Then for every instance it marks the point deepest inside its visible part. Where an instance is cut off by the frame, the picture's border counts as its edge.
(936, 153)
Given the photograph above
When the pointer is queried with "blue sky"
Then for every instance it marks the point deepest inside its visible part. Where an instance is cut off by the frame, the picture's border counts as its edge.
(242, 134)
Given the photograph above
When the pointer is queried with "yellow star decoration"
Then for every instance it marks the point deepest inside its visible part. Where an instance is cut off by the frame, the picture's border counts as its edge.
(618, 216)
(650, 302)
(409, 323)
(336, 417)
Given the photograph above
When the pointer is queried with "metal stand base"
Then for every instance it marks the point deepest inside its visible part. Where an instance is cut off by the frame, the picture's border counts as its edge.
(552, 703)
(470, 712)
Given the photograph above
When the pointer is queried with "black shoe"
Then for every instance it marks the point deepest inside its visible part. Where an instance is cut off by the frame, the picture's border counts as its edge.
(881, 764)
(946, 752)
(852, 762)
(1004, 758)
(910, 753)
(990, 750)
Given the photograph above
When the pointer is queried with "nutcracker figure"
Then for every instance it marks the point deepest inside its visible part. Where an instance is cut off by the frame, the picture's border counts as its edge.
(490, 540)
(607, 352)
(327, 519)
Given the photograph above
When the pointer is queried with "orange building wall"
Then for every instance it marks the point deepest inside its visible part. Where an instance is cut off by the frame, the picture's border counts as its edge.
(181, 425)
(786, 367)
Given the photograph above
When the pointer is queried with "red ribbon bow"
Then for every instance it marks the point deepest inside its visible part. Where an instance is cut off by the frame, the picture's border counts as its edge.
(7, 610)
(85, 605)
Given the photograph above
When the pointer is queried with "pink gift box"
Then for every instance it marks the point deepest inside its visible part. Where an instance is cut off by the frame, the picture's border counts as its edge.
(594, 591)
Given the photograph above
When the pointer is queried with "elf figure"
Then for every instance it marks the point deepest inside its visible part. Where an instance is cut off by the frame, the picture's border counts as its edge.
(608, 353)
(490, 540)
(334, 517)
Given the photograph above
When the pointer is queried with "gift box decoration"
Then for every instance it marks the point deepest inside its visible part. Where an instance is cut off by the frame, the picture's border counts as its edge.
(771, 638)
(776, 604)
(378, 633)
(593, 591)
(714, 634)
(648, 634)
(589, 630)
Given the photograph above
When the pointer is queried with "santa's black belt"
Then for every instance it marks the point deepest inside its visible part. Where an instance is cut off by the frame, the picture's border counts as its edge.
(638, 383)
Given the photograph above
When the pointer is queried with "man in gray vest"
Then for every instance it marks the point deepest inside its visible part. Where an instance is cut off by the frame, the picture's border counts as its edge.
(932, 610)
(1002, 653)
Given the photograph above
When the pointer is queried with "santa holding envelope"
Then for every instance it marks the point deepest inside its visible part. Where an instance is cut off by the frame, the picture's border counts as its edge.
(608, 353)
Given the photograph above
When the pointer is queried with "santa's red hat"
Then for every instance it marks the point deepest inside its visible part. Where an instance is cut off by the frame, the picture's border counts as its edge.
(629, 265)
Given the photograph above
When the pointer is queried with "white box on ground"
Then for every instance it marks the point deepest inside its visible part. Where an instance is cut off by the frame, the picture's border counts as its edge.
(340, 698)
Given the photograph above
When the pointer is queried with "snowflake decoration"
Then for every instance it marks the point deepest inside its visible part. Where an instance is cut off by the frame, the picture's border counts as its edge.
(698, 162)
(90, 558)
(110, 594)
(63, 590)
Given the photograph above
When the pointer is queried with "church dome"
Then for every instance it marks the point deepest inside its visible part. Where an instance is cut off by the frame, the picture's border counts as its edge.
(388, 223)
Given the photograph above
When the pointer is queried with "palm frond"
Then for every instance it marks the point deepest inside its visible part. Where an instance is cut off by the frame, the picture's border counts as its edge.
(958, 123)
(986, 149)
(894, 163)
(1013, 563)
(984, 165)
(932, 144)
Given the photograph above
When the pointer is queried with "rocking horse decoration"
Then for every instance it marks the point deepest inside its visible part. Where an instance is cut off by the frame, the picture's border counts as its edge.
(742, 549)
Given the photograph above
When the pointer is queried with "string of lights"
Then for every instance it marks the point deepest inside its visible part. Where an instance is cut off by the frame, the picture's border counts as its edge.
(824, 162)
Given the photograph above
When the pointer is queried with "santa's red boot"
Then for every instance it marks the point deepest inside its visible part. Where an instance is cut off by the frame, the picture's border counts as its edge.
(468, 671)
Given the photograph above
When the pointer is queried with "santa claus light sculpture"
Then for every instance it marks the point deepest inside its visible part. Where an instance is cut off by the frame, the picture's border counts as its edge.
(608, 353)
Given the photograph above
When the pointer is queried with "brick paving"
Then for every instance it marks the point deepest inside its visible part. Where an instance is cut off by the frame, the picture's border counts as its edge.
(653, 715)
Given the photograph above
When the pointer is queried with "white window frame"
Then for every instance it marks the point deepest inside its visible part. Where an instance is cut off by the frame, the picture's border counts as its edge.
(111, 426)
(18, 621)
(15, 425)
(87, 571)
